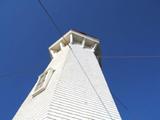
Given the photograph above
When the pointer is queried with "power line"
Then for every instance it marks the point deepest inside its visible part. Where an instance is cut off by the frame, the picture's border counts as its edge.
(59, 31)
(92, 84)
(52, 20)
(105, 57)
(128, 57)
(50, 17)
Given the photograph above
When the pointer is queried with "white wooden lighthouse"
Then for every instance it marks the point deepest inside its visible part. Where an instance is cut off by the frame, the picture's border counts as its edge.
(72, 87)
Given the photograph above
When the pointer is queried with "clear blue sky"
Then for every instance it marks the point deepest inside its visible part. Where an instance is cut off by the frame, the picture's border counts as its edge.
(125, 27)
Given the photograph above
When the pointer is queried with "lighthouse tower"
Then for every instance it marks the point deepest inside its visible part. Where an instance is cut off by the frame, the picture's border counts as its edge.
(72, 87)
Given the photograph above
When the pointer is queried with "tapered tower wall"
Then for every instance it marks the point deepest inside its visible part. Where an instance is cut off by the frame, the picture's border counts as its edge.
(73, 86)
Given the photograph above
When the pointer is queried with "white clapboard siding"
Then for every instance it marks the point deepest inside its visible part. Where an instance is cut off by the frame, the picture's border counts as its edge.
(77, 89)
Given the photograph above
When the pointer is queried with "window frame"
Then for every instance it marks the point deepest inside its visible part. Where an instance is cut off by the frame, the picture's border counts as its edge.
(46, 76)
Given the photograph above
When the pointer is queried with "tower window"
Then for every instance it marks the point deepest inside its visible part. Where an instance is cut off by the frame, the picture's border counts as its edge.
(43, 81)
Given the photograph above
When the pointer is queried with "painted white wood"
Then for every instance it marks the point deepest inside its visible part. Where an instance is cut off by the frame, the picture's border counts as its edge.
(83, 43)
(76, 91)
(71, 39)
(94, 47)
(61, 45)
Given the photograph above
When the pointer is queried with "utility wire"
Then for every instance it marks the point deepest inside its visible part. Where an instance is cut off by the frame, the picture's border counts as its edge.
(50, 17)
(92, 85)
(120, 102)
(105, 57)
(126, 57)
(59, 31)
(61, 34)
(52, 20)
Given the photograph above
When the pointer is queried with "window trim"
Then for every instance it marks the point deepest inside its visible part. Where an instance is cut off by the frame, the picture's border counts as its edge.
(47, 76)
